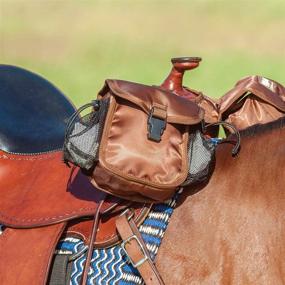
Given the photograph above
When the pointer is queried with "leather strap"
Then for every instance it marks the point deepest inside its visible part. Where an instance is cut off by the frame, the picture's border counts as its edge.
(91, 243)
(136, 250)
(159, 111)
(107, 234)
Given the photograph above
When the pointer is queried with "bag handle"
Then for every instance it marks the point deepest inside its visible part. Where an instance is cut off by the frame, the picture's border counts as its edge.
(236, 148)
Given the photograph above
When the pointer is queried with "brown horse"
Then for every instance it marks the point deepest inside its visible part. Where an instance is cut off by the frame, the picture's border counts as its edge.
(232, 231)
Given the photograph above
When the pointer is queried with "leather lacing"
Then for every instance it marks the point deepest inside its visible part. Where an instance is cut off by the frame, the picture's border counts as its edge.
(97, 217)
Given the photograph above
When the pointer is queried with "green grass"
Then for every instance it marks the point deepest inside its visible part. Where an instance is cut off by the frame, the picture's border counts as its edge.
(78, 44)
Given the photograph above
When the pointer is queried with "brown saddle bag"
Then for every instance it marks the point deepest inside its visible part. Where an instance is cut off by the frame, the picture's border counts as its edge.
(253, 100)
(142, 139)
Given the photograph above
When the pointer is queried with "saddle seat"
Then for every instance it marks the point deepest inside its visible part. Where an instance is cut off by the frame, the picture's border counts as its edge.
(33, 112)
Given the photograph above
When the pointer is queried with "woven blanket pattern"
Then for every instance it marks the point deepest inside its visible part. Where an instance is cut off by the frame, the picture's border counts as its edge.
(110, 266)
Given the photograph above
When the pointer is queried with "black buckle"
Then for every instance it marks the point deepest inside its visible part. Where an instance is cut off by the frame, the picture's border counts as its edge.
(156, 127)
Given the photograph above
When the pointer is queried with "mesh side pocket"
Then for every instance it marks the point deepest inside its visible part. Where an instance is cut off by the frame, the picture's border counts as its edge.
(83, 135)
(201, 153)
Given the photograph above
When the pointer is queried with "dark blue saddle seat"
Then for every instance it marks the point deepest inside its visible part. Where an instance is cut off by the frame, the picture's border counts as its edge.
(33, 113)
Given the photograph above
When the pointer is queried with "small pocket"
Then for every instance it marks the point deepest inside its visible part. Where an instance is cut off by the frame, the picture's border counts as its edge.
(83, 135)
(201, 153)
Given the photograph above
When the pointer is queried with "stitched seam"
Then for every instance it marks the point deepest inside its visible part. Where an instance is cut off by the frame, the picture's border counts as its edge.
(5, 157)
(47, 218)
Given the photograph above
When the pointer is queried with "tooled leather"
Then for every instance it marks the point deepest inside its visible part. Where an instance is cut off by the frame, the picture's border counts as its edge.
(179, 110)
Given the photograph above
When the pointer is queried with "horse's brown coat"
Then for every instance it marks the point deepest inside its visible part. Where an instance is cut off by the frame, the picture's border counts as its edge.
(233, 230)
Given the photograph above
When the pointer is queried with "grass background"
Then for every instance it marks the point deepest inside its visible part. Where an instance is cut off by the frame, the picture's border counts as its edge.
(77, 44)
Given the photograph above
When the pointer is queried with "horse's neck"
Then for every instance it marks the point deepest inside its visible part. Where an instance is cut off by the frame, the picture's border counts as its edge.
(266, 149)
(257, 148)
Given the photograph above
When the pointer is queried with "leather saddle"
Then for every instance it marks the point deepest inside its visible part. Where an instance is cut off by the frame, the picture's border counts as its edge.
(41, 198)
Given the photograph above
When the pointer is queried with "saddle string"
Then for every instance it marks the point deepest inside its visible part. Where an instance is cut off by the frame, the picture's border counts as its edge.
(97, 217)
(98, 214)
(229, 126)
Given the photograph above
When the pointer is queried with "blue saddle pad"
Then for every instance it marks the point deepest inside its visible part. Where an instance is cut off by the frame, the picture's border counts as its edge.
(109, 266)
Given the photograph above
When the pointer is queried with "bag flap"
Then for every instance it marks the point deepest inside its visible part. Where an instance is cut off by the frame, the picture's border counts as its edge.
(179, 109)
(268, 90)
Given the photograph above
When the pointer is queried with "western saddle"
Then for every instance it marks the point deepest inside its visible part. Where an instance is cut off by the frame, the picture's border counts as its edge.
(42, 199)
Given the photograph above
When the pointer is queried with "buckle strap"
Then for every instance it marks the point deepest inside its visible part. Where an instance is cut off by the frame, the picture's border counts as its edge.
(124, 244)
(156, 122)
(159, 111)
(135, 249)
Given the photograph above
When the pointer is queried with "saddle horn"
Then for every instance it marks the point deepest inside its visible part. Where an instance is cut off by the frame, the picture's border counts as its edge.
(174, 81)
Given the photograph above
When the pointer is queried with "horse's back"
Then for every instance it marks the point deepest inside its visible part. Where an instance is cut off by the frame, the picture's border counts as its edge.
(232, 231)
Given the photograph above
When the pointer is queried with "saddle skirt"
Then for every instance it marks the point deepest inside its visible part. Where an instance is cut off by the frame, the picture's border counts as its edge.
(36, 208)
(34, 199)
